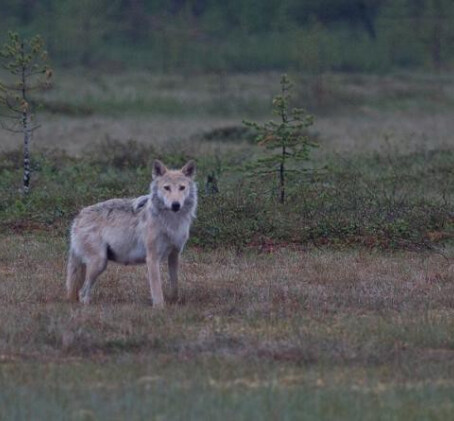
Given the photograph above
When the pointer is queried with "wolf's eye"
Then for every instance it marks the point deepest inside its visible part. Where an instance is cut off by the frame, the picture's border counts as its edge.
(182, 187)
(167, 188)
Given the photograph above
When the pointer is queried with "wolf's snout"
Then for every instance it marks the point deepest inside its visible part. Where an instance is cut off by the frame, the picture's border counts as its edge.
(176, 206)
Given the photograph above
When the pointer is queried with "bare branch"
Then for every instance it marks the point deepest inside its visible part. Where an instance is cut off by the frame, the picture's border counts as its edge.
(33, 128)
(12, 108)
(12, 117)
(9, 129)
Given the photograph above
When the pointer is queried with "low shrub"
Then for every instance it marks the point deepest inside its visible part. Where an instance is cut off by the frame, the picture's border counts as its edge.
(405, 202)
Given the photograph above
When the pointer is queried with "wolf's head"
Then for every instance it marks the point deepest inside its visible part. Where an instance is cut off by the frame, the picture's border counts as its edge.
(174, 190)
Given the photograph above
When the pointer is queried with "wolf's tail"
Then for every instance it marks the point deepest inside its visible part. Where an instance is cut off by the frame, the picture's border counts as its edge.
(75, 276)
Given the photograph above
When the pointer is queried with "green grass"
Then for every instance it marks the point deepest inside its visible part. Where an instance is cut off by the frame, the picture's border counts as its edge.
(142, 93)
(240, 95)
(211, 389)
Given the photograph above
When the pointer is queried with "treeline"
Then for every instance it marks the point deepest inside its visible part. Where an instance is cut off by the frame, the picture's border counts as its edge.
(241, 35)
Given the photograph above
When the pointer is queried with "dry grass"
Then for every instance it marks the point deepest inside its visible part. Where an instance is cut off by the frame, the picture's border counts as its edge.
(304, 307)
(366, 333)
(407, 132)
(73, 134)
(353, 113)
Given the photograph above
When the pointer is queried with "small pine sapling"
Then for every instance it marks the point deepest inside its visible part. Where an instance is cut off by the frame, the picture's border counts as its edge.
(286, 142)
(27, 64)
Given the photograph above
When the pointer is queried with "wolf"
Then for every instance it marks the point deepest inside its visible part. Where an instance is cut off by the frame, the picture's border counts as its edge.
(146, 229)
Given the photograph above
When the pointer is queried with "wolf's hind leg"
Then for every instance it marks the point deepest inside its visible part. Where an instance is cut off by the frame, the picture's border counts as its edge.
(95, 266)
(75, 276)
(173, 275)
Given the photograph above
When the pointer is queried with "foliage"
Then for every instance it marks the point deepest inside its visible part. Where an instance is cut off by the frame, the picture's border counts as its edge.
(27, 62)
(286, 142)
(188, 35)
(402, 202)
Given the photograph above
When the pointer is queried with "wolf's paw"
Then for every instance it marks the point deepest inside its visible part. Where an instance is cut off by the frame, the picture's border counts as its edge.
(158, 305)
(172, 298)
(84, 299)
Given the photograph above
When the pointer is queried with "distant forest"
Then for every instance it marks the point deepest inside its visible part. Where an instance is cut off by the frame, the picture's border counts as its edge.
(240, 35)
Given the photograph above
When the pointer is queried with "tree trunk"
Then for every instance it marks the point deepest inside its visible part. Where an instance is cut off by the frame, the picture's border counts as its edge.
(27, 138)
(282, 177)
(26, 129)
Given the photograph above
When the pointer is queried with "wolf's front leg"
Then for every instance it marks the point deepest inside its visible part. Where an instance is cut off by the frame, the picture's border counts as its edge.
(154, 278)
(173, 274)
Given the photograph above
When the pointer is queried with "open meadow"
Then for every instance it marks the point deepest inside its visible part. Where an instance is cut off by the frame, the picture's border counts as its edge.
(338, 304)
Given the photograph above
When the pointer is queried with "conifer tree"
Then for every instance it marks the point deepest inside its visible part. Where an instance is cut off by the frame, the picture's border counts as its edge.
(286, 141)
(26, 63)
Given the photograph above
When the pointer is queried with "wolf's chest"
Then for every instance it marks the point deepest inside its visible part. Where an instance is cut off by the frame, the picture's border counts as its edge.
(171, 238)
(169, 230)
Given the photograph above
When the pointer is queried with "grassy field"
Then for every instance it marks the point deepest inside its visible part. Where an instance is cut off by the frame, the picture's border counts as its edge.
(294, 334)
(338, 305)
(354, 113)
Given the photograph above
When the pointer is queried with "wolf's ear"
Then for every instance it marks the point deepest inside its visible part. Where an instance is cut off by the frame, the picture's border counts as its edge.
(189, 169)
(159, 169)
